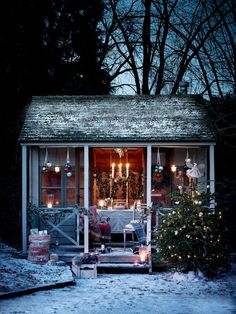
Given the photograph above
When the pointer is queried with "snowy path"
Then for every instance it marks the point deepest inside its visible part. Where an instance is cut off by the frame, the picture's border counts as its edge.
(160, 293)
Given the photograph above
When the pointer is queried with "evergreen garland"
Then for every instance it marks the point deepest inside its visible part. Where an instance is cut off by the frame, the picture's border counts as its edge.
(136, 185)
(103, 183)
(160, 180)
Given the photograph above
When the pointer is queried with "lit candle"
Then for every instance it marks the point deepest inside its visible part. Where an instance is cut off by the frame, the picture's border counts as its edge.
(173, 168)
(101, 203)
(127, 170)
(143, 257)
(120, 169)
(50, 200)
(143, 254)
(113, 170)
(57, 169)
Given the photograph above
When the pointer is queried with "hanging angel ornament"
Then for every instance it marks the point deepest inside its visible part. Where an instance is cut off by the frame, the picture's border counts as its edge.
(68, 167)
(158, 168)
(188, 164)
(194, 172)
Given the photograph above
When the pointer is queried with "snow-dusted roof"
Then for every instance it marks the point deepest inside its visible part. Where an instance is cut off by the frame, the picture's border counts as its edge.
(116, 119)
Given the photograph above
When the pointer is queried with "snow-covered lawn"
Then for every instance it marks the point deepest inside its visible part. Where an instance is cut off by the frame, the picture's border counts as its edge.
(19, 274)
(161, 293)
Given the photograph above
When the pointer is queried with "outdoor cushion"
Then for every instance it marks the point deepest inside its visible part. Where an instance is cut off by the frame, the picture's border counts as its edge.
(140, 232)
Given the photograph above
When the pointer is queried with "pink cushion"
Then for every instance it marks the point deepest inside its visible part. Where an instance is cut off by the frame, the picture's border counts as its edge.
(105, 227)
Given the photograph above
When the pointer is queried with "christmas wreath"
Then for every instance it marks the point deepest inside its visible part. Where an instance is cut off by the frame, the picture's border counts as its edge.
(160, 179)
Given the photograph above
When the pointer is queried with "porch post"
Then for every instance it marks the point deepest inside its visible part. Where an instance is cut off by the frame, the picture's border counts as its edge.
(212, 171)
(86, 198)
(24, 199)
(149, 230)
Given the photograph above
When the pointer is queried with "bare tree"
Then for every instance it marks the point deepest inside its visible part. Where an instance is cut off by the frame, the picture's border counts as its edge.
(157, 44)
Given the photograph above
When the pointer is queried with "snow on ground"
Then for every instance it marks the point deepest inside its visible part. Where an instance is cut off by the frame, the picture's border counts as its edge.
(159, 293)
(20, 274)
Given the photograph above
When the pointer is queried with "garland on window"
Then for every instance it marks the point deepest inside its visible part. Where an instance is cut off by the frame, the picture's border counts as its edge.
(114, 189)
(160, 180)
(136, 185)
(124, 188)
(103, 183)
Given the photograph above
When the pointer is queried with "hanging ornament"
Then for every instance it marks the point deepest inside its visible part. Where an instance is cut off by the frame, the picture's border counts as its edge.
(68, 167)
(158, 168)
(193, 172)
(69, 174)
(49, 164)
(46, 164)
(188, 164)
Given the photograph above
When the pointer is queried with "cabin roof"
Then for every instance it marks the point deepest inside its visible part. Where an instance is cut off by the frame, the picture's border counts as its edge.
(106, 119)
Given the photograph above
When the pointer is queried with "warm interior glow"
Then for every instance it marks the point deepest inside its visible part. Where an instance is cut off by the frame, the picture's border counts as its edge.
(50, 200)
(143, 254)
(57, 169)
(101, 203)
(173, 168)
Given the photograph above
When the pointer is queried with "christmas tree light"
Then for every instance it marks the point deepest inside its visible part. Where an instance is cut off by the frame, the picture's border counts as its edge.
(191, 235)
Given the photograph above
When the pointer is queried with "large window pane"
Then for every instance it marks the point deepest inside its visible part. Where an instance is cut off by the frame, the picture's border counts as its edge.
(70, 189)
(58, 188)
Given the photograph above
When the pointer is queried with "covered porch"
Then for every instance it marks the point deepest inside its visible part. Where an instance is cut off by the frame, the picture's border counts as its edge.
(117, 185)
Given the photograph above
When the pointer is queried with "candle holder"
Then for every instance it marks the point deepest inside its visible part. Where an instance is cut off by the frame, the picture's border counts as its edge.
(101, 203)
(50, 200)
(143, 254)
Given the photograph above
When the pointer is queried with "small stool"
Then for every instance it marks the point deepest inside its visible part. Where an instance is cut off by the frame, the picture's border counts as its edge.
(128, 228)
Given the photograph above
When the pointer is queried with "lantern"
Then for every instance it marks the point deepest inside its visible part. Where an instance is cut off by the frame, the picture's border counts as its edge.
(50, 200)
(57, 169)
(101, 203)
(143, 254)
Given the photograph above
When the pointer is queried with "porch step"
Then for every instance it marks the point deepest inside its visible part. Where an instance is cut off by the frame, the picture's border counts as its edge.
(118, 259)
(126, 266)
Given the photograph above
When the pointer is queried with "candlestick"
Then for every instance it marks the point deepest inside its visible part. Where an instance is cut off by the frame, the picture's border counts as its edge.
(120, 169)
(127, 170)
(113, 170)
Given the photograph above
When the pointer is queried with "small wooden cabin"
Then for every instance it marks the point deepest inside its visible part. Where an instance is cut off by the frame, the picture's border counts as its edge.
(104, 151)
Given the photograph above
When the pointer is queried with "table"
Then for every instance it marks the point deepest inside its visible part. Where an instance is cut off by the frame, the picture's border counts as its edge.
(118, 218)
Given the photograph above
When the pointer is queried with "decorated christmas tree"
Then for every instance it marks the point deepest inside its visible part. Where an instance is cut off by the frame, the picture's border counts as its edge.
(190, 236)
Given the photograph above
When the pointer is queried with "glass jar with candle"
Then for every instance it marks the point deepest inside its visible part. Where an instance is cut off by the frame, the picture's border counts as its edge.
(50, 200)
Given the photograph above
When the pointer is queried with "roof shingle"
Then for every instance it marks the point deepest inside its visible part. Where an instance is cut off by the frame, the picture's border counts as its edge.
(116, 118)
